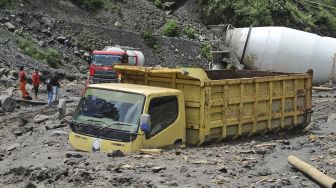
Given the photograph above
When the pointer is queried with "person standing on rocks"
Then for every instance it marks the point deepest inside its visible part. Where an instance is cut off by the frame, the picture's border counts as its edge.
(23, 82)
(36, 82)
(55, 85)
(49, 89)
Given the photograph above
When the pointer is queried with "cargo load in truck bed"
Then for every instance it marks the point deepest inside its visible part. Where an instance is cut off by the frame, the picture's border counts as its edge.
(226, 104)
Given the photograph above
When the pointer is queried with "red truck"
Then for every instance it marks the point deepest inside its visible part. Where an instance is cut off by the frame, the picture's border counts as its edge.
(101, 62)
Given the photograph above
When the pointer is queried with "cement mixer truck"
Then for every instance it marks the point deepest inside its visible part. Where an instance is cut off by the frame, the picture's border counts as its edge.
(101, 62)
(282, 49)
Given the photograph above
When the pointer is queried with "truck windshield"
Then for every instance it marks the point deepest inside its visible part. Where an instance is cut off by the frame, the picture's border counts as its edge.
(110, 109)
(106, 60)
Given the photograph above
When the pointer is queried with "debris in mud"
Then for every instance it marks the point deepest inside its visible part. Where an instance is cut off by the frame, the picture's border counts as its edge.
(58, 133)
(312, 172)
(18, 132)
(158, 169)
(40, 119)
(331, 118)
(223, 169)
(116, 153)
(74, 155)
(204, 162)
(13, 147)
(66, 120)
(312, 138)
(29, 185)
(10, 26)
(151, 151)
(50, 125)
(332, 151)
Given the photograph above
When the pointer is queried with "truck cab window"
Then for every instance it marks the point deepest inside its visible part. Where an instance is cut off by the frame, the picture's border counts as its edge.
(163, 112)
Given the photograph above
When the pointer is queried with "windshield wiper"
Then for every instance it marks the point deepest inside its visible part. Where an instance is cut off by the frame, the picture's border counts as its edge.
(95, 121)
(121, 123)
(97, 116)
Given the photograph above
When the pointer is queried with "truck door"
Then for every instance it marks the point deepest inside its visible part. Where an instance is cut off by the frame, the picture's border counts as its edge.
(167, 122)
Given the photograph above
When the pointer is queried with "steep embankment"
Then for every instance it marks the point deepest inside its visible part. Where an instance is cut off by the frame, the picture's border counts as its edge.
(312, 16)
(54, 35)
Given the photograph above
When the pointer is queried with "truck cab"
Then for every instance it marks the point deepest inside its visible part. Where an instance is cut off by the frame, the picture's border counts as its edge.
(128, 117)
(102, 61)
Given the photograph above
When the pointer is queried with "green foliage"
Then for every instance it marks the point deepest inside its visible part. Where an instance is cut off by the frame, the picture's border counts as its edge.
(302, 15)
(206, 51)
(158, 3)
(89, 4)
(30, 48)
(170, 29)
(148, 36)
(4, 3)
(190, 32)
(52, 58)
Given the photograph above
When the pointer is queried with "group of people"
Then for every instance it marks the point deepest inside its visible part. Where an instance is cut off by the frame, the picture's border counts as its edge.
(52, 85)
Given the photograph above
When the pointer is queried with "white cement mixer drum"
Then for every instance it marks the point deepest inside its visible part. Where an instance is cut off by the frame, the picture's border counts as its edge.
(285, 50)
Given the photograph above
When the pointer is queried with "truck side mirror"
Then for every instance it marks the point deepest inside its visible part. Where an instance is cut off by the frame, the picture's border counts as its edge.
(145, 123)
(88, 60)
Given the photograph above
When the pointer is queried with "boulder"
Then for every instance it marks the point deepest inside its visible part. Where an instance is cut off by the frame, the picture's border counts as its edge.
(41, 43)
(168, 5)
(7, 103)
(40, 119)
(61, 108)
(61, 39)
(46, 21)
(331, 118)
(10, 26)
(117, 24)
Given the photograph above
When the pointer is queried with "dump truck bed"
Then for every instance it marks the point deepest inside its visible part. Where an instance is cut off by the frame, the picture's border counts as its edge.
(226, 104)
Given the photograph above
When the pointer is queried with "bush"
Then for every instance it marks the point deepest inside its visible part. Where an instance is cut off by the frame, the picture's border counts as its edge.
(89, 4)
(148, 36)
(158, 3)
(31, 49)
(52, 58)
(206, 51)
(4, 3)
(190, 32)
(170, 29)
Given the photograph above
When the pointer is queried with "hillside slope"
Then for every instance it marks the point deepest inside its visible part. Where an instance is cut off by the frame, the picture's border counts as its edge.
(312, 16)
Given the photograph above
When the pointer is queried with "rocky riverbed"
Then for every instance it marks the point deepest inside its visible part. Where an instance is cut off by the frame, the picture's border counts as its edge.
(34, 152)
(34, 147)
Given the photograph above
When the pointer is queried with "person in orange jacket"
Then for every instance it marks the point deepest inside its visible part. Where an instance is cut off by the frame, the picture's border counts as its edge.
(36, 82)
(23, 82)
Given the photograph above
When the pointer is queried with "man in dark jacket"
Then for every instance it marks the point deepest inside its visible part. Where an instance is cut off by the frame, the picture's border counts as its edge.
(49, 89)
(55, 85)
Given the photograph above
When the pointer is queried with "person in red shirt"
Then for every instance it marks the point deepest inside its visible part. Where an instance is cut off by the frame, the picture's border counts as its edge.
(36, 82)
(23, 82)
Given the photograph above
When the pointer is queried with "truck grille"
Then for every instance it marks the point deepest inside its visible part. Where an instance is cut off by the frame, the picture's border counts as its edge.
(105, 74)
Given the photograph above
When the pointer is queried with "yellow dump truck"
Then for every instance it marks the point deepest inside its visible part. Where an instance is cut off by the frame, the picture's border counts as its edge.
(160, 107)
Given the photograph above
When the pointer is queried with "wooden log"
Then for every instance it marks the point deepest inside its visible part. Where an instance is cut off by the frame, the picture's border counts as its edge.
(312, 172)
(8, 104)
(322, 88)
